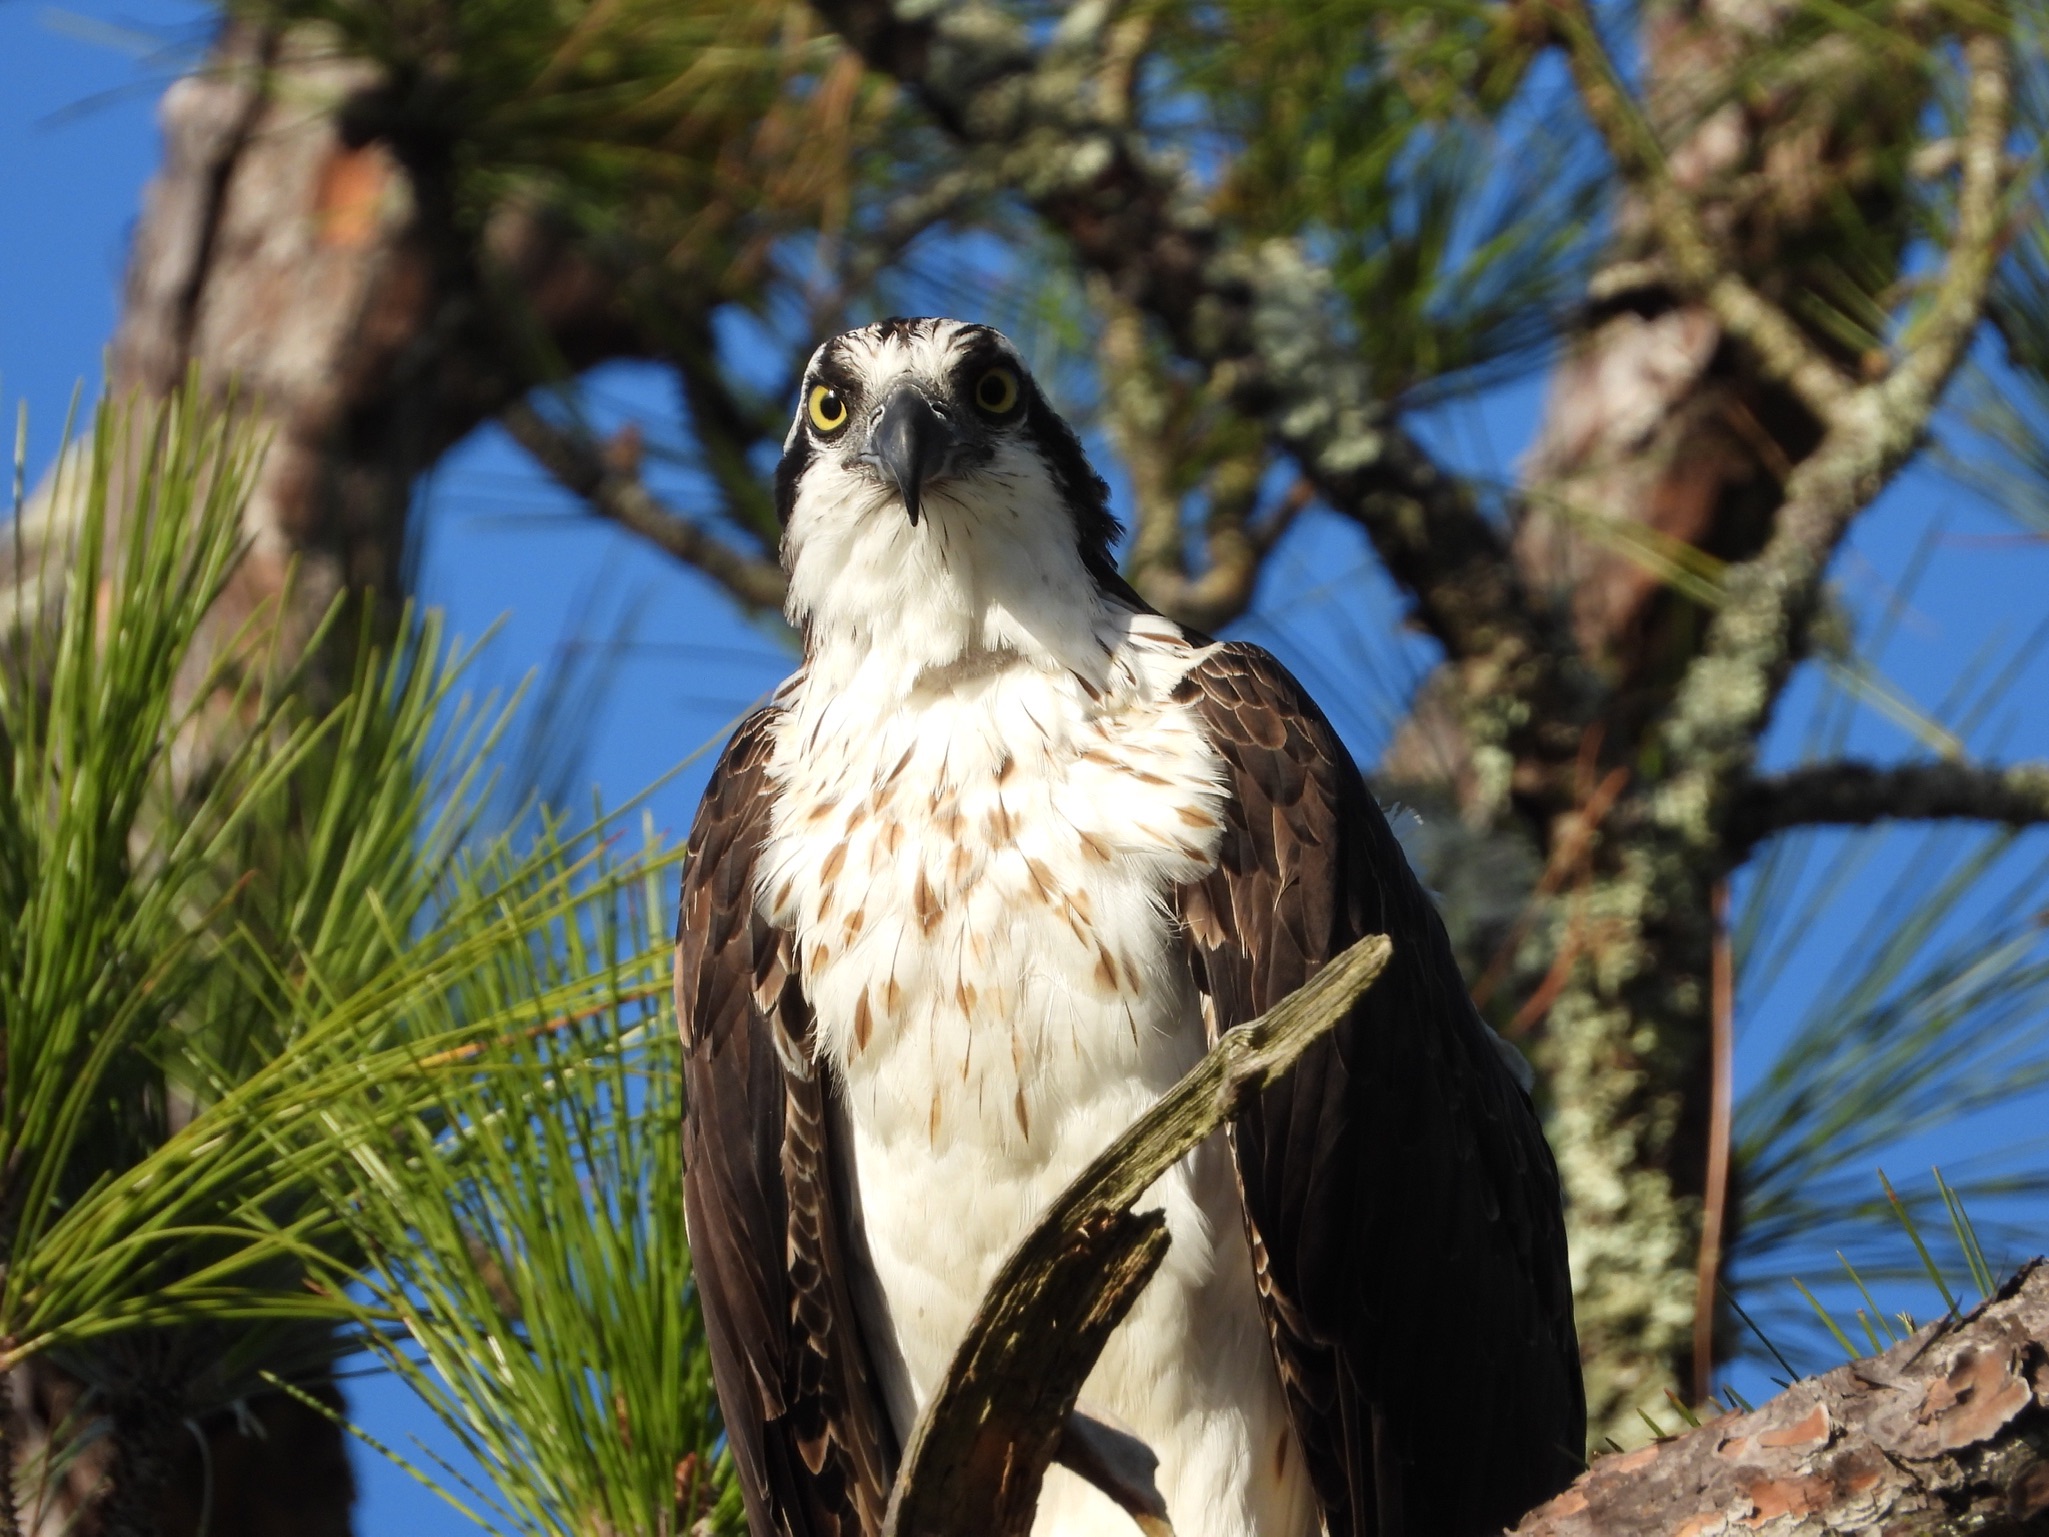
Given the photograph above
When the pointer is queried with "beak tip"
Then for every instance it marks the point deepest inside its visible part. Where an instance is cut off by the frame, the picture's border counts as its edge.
(912, 443)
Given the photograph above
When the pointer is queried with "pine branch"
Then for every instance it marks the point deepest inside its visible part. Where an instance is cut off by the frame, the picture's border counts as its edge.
(1260, 321)
(1148, 412)
(727, 430)
(1853, 794)
(580, 465)
(1761, 629)
(1235, 548)
(1945, 1432)
(1780, 347)
(1935, 346)
(981, 1448)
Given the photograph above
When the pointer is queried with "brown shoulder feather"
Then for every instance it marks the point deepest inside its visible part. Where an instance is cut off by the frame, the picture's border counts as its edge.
(809, 1435)
(1402, 1202)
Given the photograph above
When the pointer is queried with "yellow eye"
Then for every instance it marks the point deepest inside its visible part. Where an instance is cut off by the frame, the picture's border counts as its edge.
(828, 411)
(996, 391)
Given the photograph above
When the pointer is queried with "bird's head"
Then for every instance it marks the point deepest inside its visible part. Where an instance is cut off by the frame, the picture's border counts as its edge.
(927, 485)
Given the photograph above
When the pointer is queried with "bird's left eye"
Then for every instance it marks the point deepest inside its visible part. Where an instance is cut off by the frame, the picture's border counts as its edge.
(996, 391)
(828, 409)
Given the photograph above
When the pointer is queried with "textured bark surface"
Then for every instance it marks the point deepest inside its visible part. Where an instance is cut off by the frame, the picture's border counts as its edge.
(321, 279)
(1947, 1432)
(325, 278)
(1664, 442)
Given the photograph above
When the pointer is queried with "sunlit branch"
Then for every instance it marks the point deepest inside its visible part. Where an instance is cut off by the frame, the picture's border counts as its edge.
(1779, 345)
(1761, 629)
(1936, 345)
(1942, 1433)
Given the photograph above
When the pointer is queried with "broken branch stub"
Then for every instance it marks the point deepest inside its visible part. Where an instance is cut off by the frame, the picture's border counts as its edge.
(980, 1451)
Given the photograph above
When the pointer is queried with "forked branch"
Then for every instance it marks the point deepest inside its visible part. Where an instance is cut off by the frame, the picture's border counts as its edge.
(1258, 321)
(1779, 345)
(980, 1450)
(1761, 629)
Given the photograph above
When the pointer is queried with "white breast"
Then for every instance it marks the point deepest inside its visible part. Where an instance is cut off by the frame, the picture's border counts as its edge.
(977, 872)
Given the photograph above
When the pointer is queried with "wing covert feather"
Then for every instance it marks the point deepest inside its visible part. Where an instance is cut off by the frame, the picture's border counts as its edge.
(809, 1436)
(1402, 1202)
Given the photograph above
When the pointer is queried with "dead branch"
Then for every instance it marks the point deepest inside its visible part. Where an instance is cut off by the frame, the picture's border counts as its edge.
(1946, 1432)
(580, 465)
(981, 1448)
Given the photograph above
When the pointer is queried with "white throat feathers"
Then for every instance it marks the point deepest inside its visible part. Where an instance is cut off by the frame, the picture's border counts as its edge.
(1003, 545)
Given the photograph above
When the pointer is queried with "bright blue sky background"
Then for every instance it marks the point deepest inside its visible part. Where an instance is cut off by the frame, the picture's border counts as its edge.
(78, 87)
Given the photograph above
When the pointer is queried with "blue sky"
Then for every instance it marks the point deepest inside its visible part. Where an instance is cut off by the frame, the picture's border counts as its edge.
(78, 87)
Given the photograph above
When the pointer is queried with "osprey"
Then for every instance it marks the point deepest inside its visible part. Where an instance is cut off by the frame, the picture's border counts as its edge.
(990, 873)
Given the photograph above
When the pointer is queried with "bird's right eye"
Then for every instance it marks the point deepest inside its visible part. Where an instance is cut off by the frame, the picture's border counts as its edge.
(828, 411)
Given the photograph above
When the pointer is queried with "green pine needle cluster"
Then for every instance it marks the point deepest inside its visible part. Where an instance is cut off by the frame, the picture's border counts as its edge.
(300, 1054)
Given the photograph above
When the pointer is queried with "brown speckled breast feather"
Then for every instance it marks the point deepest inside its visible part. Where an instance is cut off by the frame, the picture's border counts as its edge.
(1402, 1204)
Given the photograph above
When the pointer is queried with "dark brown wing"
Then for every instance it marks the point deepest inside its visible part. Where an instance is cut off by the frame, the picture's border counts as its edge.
(1403, 1204)
(803, 1414)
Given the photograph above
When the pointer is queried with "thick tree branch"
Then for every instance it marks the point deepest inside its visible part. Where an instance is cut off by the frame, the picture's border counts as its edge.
(1761, 630)
(581, 466)
(1853, 794)
(1780, 347)
(1947, 1432)
(1261, 322)
(980, 1450)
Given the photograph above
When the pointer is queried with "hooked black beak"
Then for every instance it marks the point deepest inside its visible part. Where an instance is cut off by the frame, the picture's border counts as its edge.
(911, 443)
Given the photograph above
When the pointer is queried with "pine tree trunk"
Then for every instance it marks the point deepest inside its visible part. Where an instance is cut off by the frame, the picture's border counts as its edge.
(1654, 419)
(302, 248)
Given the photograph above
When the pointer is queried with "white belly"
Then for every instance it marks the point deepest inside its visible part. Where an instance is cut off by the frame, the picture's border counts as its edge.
(977, 879)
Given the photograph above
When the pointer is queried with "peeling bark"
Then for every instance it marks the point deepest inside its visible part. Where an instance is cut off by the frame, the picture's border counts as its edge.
(322, 277)
(1947, 1432)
